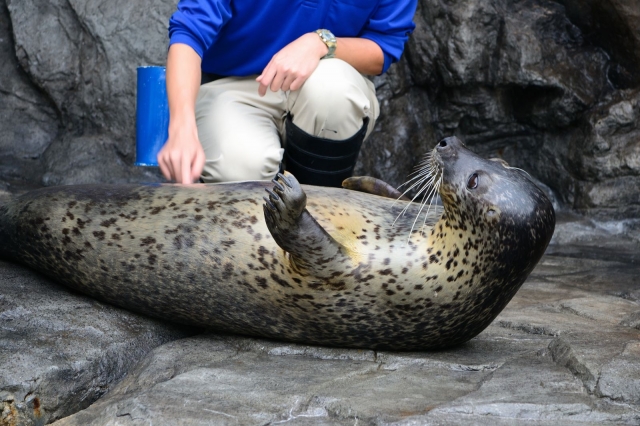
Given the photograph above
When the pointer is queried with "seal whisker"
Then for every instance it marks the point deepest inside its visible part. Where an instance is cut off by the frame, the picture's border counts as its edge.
(435, 190)
(430, 195)
(426, 170)
(429, 179)
(424, 167)
(430, 189)
(424, 175)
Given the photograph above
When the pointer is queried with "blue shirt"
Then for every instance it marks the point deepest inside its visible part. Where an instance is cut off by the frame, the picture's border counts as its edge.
(239, 37)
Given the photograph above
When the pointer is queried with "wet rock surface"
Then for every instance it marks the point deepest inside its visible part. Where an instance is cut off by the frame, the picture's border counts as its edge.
(60, 351)
(565, 351)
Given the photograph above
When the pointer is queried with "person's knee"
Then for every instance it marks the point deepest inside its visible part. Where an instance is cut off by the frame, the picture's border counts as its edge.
(333, 101)
(243, 166)
(327, 95)
(263, 166)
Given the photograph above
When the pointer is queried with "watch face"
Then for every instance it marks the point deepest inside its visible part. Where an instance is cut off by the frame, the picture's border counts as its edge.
(330, 40)
(328, 36)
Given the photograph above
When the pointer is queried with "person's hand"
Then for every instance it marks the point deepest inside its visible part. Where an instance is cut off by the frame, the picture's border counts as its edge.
(291, 66)
(182, 157)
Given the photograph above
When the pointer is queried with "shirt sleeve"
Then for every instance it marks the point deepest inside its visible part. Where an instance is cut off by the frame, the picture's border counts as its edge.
(197, 22)
(390, 27)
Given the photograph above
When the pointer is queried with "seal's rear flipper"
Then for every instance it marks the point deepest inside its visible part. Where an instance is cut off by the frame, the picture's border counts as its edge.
(295, 230)
(374, 186)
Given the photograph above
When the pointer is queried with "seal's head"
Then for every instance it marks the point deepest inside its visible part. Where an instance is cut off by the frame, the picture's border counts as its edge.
(501, 206)
(490, 194)
(494, 189)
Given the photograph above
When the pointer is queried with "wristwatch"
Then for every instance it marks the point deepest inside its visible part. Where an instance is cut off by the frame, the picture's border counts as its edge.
(330, 40)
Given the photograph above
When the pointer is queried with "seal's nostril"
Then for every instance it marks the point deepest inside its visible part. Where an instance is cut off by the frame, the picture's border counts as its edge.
(442, 143)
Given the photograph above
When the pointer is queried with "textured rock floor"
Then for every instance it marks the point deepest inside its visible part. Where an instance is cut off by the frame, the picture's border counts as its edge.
(566, 350)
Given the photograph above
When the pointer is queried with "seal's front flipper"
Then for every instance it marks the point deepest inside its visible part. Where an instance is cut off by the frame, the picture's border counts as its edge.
(373, 186)
(295, 230)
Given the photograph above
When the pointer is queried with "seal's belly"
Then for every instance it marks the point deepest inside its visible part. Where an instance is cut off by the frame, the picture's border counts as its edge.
(364, 221)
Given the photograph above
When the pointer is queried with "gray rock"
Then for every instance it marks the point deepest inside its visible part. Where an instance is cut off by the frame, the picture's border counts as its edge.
(74, 160)
(234, 380)
(83, 56)
(60, 351)
(562, 352)
(606, 158)
(29, 121)
(518, 80)
(620, 378)
(615, 26)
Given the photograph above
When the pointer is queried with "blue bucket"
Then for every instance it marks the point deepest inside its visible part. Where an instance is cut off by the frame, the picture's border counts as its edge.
(152, 115)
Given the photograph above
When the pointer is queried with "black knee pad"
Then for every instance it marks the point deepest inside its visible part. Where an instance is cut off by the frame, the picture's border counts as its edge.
(319, 161)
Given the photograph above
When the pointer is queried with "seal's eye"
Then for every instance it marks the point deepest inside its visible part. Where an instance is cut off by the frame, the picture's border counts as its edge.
(472, 183)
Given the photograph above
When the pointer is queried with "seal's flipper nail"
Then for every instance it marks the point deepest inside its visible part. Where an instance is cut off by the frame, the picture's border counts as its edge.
(269, 204)
(284, 179)
(272, 194)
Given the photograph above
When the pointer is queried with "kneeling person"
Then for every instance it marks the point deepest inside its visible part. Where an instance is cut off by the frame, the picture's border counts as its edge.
(250, 82)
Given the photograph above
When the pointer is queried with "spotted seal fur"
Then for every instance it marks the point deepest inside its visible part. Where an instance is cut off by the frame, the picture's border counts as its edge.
(309, 264)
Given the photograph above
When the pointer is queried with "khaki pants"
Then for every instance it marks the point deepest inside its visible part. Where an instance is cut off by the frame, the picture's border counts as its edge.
(243, 134)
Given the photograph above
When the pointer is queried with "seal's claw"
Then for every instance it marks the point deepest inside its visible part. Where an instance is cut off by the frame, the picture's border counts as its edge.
(292, 195)
(268, 204)
(273, 195)
(283, 178)
(278, 185)
(285, 203)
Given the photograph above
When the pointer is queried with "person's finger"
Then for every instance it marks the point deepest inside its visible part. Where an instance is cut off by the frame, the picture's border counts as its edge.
(277, 81)
(265, 79)
(165, 165)
(262, 89)
(174, 161)
(286, 84)
(185, 170)
(197, 165)
(297, 83)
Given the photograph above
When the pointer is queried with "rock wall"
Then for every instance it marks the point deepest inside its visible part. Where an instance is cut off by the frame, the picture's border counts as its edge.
(79, 57)
(550, 86)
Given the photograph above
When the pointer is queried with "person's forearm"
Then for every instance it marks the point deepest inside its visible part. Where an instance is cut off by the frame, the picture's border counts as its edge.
(183, 83)
(361, 53)
(182, 158)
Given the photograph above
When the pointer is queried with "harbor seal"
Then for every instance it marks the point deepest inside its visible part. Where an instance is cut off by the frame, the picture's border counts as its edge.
(306, 264)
